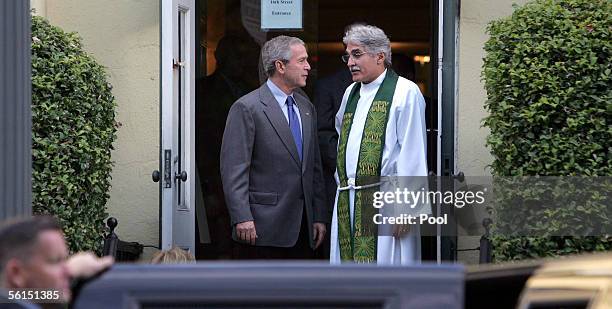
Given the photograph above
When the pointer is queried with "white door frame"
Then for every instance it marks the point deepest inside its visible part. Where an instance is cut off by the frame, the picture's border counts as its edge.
(177, 124)
(446, 76)
(438, 63)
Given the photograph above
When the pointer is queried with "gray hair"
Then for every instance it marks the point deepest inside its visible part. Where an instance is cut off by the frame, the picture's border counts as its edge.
(278, 48)
(372, 38)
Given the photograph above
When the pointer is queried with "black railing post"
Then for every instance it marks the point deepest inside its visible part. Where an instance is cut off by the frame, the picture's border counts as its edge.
(111, 240)
(485, 243)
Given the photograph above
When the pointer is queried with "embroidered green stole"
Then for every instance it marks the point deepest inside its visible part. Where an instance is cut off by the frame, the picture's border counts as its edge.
(359, 243)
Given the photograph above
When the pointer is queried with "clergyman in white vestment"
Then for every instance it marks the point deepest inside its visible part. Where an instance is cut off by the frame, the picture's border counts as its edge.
(368, 56)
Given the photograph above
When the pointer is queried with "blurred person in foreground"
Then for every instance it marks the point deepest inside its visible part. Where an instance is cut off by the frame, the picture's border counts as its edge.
(34, 254)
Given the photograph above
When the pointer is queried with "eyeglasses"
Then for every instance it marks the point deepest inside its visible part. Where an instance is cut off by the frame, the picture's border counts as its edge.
(356, 54)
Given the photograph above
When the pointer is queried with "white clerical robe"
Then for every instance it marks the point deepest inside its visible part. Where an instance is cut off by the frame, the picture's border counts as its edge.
(404, 154)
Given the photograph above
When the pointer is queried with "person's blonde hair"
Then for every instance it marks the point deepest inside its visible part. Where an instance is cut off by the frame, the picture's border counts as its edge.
(175, 255)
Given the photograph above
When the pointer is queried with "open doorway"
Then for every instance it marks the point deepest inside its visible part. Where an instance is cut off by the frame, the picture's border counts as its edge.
(230, 38)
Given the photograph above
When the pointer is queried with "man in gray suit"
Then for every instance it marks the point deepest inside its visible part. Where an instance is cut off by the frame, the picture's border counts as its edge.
(270, 161)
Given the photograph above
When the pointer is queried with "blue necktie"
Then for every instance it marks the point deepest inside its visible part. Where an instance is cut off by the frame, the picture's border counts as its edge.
(294, 125)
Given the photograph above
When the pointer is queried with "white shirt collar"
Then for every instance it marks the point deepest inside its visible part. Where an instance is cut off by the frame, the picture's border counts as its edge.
(278, 94)
(375, 83)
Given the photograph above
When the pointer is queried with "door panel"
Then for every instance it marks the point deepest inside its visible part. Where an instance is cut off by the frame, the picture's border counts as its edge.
(177, 123)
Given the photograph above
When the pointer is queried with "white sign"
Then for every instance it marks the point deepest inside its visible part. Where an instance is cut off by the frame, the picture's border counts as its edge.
(281, 14)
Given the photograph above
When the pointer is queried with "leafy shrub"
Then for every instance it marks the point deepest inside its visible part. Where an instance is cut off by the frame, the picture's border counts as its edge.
(547, 74)
(73, 127)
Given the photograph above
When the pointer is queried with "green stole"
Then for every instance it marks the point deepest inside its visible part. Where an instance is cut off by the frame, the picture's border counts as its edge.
(359, 244)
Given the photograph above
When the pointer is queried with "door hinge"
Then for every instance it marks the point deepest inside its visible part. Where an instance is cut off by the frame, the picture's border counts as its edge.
(176, 64)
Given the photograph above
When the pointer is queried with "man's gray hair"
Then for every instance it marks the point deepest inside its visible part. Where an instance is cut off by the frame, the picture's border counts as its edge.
(372, 38)
(278, 48)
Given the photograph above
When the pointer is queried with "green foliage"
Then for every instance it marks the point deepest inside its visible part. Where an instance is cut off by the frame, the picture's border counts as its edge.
(549, 209)
(519, 248)
(547, 74)
(73, 127)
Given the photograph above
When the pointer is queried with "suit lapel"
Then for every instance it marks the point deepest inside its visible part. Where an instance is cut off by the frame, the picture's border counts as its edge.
(279, 122)
(306, 118)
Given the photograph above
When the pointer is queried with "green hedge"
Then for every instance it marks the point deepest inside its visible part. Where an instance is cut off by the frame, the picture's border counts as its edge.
(547, 74)
(73, 127)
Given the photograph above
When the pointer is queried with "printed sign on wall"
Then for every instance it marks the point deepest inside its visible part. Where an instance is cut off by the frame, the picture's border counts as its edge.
(281, 14)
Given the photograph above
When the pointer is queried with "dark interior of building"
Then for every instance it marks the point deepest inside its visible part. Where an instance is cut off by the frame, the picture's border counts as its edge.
(230, 39)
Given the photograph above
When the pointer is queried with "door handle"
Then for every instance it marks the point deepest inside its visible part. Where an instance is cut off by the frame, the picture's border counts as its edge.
(156, 176)
(459, 176)
(182, 176)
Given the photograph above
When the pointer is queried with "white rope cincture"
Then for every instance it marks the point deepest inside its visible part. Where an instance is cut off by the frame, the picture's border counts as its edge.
(351, 185)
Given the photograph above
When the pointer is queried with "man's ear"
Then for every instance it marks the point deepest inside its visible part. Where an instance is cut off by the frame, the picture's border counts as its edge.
(381, 58)
(15, 273)
(280, 66)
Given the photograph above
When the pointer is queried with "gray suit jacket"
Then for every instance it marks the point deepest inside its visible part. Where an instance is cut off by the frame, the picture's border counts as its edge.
(263, 178)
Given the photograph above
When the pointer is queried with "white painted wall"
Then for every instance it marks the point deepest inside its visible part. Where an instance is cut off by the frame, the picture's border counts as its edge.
(39, 7)
(472, 155)
(123, 35)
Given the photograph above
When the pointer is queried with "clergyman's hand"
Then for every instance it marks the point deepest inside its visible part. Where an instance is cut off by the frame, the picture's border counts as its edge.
(246, 232)
(318, 230)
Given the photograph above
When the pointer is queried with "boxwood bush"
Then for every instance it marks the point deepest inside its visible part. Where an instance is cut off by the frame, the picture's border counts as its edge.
(547, 75)
(73, 128)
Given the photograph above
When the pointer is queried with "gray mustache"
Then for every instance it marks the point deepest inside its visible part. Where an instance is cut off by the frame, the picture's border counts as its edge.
(355, 69)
